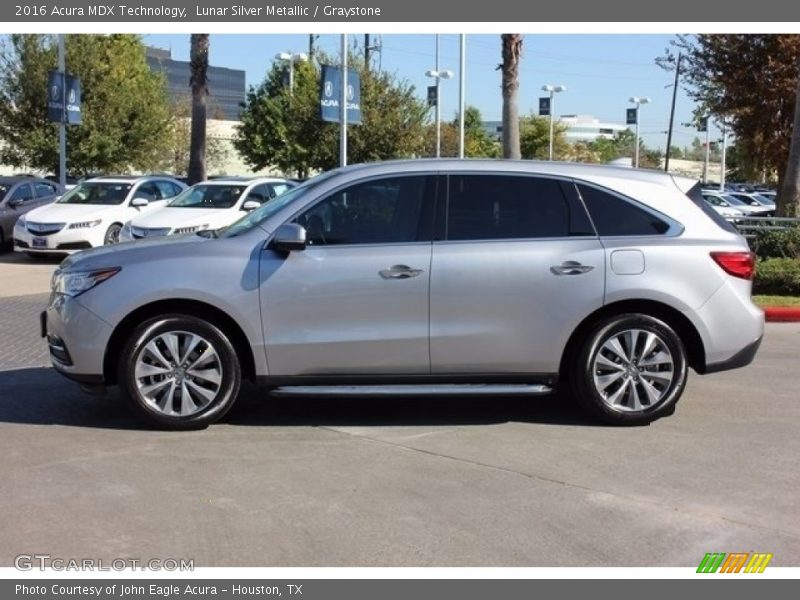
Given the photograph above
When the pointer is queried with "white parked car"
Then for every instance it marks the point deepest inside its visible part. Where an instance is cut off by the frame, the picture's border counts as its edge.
(719, 204)
(206, 206)
(91, 214)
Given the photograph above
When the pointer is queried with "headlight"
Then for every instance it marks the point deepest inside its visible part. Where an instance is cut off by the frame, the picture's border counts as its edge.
(21, 222)
(193, 229)
(74, 283)
(85, 224)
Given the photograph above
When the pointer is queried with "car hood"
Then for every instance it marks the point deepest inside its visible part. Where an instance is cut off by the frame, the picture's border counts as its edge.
(187, 217)
(69, 213)
(119, 255)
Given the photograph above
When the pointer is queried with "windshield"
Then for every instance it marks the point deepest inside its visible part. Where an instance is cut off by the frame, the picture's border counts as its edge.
(205, 195)
(268, 209)
(97, 192)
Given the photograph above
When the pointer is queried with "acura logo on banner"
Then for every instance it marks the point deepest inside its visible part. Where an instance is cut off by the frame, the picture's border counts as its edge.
(331, 93)
(544, 107)
(58, 95)
(630, 116)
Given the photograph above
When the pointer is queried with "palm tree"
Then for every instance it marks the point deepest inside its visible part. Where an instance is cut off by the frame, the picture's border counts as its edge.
(512, 50)
(199, 83)
(789, 194)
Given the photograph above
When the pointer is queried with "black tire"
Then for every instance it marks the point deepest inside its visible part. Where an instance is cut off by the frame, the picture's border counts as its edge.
(112, 235)
(633, 406)
(148, 408)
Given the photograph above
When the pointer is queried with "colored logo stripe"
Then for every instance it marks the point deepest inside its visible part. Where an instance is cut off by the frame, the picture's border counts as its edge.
(758, 562)
(734, 562)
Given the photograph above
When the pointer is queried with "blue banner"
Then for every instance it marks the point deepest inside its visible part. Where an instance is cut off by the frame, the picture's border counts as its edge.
(544, 106)
(330, 94)
(631, 116)
(64, 89)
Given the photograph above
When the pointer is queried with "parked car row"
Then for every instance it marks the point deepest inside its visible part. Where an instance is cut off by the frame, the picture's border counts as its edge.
(106, 210)
(739, 204)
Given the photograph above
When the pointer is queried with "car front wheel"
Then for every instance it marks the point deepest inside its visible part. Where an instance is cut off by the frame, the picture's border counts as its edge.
(179, 372)
(631, 370)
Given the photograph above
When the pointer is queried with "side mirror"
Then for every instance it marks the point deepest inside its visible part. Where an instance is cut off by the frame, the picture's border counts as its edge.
(139, 202)
(13, 203)
(250, 205)
(288, 237)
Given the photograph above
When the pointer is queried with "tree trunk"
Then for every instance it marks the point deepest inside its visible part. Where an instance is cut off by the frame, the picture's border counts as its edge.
(199, 82)
(512, 50)
(789, 192)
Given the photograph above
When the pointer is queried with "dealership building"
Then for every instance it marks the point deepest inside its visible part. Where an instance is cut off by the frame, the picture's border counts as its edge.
(580, 128)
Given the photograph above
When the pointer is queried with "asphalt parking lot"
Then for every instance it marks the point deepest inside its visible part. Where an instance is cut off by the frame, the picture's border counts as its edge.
(403, 482)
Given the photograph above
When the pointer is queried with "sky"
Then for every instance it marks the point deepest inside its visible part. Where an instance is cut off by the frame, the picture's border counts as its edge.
(600, 72)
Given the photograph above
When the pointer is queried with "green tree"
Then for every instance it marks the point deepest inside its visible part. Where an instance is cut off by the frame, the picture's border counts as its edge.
(535, 138)
(478, 143)
(284, 129)
(125, 109)
(176, 155)
(750, 80)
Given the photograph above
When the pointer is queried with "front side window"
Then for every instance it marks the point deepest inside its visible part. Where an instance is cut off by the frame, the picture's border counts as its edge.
(97, 192)
(23, 193)
(492, 207)
(44, 190)
(614, 216)
(166, 189)
(381, 211)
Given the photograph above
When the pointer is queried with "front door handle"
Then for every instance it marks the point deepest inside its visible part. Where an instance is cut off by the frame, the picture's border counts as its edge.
(570, 267)
(399, 272)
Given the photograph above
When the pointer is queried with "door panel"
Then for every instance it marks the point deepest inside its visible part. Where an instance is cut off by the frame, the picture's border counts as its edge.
(328, 310)
(497, 307)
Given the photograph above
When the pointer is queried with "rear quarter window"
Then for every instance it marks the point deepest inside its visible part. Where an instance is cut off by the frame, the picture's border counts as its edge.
(615, 216)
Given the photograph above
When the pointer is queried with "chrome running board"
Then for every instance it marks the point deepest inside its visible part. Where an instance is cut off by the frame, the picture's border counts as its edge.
(466, 389)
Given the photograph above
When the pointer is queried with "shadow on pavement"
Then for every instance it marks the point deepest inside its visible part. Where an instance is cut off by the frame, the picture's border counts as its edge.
(40, 396)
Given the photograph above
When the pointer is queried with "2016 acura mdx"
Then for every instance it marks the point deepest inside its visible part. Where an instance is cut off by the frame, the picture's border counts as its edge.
(425, 276)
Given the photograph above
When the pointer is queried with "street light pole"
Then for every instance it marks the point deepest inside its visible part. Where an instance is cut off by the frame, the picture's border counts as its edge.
(343, 106)
(553, 89)
(62, 127)
(672, 112)
(438, 105)
(461, 93)
(638, 101)
(724, 150)
(708, 150)
(291, 58)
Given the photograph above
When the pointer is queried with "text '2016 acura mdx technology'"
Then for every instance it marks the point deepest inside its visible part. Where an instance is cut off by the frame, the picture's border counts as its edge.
(421, 277)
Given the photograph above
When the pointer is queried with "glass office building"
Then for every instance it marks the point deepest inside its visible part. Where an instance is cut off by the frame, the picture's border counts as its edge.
(226, 87)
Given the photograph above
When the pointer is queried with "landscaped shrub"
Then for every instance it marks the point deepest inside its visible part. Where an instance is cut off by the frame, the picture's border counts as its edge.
(783, 243)
(777, 277)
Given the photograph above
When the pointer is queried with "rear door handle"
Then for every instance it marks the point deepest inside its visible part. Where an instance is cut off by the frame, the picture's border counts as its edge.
(399, 272)
(570, 267)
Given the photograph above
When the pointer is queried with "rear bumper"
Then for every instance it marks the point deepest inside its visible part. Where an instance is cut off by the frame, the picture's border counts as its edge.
(741, 359)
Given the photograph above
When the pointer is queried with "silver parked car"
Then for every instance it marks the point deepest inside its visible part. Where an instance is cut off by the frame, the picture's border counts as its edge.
(426, 276)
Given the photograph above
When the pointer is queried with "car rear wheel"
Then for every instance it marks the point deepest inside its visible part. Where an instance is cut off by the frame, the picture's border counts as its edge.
(179, 372)
(631, 370)
(112, 235)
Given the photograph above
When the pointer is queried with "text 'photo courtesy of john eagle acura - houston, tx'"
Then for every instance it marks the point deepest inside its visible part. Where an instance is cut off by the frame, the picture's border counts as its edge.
(445, 277)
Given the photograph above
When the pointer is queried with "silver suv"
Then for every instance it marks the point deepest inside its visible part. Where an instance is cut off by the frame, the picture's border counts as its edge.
(421, 277)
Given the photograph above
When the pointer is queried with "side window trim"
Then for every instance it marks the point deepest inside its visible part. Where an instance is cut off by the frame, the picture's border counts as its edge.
(674, 228)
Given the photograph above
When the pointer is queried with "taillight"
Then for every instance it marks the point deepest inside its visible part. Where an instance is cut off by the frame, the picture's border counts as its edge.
(738, 264)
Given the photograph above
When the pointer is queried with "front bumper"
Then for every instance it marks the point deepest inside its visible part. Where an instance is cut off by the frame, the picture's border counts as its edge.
(66, 241)
(76, 339)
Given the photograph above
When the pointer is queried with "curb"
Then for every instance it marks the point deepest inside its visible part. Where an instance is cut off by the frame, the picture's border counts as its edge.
(782, 314)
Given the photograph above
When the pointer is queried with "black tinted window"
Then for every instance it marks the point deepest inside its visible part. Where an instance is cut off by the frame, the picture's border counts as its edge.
(489, 207)
(23, 192)
(614, 216)
(374, 212)
(44, 190)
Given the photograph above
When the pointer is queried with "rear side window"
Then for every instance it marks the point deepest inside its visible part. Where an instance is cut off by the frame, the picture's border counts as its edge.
(614, 216)
(491, 207)
(695, 195)
(44, 190)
